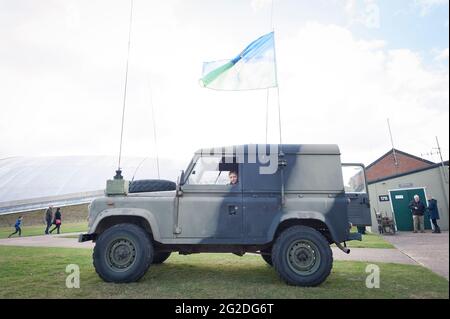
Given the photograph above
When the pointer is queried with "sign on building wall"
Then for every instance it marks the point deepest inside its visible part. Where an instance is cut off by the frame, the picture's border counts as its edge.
(383, 198)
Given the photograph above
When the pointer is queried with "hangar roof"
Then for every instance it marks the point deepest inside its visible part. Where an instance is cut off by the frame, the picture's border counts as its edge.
(28, 183)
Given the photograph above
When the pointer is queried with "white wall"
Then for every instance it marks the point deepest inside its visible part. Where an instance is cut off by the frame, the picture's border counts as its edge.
(435, 181)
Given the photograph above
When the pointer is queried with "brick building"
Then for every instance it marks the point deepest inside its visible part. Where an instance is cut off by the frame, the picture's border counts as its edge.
(393, 182)
(388, 165)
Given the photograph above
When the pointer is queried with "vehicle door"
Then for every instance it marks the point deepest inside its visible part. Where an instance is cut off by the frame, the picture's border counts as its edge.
(356, 191)
(209, 206)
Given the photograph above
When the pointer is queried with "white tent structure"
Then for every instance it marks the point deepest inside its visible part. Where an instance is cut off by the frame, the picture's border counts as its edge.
(30, 183)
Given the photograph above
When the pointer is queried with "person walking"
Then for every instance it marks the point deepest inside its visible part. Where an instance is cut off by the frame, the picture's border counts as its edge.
(17, 226)
(433, 212)
(48, 218)
(418, 211)
(57, 221)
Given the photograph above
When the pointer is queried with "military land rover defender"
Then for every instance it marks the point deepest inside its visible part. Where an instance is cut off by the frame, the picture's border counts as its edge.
(289, 203)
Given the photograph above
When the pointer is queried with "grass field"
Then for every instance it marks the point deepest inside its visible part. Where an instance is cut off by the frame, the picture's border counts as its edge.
(370, 240)
(40, 273)
(39, 230)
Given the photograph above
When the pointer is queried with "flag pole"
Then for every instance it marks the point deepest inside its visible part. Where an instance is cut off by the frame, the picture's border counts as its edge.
(282, 163)
(267, 112)
(278, 94)
(268, 89)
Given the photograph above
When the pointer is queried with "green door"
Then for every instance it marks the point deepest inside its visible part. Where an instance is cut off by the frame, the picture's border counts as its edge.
(400, 202)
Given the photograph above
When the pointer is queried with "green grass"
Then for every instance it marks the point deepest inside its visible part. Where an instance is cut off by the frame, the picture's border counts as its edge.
(370, 240)
(39, 229)
(40, 273)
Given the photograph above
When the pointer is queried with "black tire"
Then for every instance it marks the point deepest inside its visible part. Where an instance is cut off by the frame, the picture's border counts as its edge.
(151, 185)
(160, 257)
(123, 253)
(302, 256)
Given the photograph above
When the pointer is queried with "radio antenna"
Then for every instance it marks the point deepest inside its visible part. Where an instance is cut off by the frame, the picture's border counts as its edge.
(392, 143)
(125, 88)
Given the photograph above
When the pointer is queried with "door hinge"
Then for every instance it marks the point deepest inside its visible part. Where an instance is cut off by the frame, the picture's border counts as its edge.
(177, 230)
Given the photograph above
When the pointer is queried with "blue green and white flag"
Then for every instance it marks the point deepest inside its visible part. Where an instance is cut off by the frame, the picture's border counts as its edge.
(254, 68)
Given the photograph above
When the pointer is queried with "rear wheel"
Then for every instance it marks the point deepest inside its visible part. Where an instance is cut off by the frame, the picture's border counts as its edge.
(123, 253)
(160, 257)
(302, 256)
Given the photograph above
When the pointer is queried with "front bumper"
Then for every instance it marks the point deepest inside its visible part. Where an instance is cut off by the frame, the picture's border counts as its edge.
(86, 237)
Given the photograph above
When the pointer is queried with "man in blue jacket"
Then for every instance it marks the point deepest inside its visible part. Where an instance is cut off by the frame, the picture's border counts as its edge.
(17, 226)
(433, 212)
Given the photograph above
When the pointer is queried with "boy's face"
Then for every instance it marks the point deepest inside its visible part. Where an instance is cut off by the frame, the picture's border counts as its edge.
(233, 178)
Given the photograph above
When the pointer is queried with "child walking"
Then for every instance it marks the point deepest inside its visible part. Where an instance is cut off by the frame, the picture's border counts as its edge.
(17, 226)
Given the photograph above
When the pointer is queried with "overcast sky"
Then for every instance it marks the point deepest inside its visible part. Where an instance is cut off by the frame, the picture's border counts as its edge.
(344, 67)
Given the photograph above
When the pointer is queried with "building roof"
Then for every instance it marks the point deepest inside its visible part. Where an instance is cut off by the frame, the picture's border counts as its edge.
(408, 173)
(400, 152)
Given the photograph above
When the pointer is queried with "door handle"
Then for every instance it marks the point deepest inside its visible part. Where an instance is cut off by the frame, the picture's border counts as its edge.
(232, 209)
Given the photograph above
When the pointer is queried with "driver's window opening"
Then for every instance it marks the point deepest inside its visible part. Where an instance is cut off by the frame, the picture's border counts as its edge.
(354, 181)
(215, 170)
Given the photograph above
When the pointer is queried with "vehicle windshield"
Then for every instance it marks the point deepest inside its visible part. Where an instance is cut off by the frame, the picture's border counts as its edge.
(213, 170)
(354, 180)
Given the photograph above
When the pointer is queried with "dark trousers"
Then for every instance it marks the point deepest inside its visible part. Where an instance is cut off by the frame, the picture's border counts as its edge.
(49, 224)
(57, 228)
(18, 230)
(436, 226)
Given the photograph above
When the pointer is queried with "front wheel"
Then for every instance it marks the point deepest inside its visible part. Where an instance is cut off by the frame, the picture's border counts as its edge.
(302, 256)
(123, 253)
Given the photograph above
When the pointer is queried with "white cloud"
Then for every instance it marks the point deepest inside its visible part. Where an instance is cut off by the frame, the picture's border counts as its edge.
(442, 55)
(366, 13)
(426, 6)
(261, 4)
(62, 86)
(338, 89)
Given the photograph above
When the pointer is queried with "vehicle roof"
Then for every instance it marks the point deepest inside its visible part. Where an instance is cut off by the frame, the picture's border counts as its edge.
(288, 149)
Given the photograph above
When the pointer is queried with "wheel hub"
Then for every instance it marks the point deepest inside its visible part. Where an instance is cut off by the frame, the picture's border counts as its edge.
(303, 257)
(122, 254)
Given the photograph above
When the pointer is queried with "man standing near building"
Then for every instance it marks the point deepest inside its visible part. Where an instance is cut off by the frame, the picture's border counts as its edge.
(48, 218)
(433, 211)
(418, 211)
